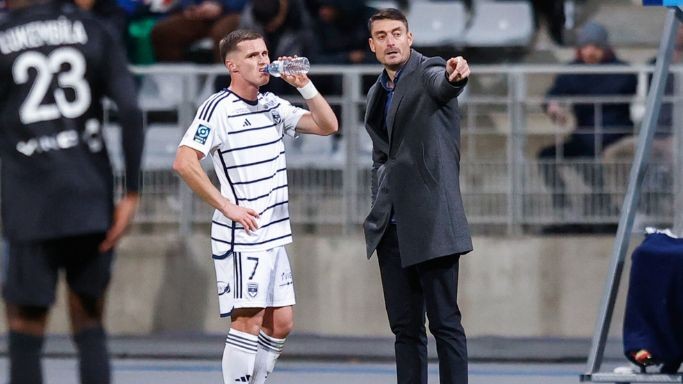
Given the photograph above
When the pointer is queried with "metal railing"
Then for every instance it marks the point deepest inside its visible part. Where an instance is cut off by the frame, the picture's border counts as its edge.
(502, 128)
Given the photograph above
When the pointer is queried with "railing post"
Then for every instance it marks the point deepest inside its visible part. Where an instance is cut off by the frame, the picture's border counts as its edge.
(350, 119)
(628, 210)
(517, 90)
(677, 133)
(185, 116)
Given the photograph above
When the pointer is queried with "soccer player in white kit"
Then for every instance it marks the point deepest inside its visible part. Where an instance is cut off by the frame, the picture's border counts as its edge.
(242, 129)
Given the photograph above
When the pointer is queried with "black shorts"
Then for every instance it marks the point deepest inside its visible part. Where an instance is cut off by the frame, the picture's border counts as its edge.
(31, 269)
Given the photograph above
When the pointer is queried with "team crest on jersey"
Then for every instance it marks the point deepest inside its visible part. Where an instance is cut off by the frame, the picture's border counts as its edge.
(277, 119)
(202, 134)
(252, 289)
(223, 288)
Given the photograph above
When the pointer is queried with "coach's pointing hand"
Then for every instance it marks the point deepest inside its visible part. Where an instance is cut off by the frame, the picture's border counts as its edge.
(457, 69)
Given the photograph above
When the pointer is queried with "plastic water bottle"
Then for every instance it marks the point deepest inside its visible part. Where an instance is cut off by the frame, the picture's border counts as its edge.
(295, 66)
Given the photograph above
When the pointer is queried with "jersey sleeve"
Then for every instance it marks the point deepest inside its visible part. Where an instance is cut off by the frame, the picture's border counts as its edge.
(202, 135)
(290, 116)
(120, 87)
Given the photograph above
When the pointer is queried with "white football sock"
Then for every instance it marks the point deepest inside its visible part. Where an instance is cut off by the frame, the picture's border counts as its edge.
(269, 349)
(238, 357)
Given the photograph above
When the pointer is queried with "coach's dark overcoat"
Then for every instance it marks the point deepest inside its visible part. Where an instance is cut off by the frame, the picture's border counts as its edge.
(416, 163)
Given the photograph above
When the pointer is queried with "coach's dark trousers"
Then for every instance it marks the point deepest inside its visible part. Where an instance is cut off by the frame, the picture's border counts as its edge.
(431, 286)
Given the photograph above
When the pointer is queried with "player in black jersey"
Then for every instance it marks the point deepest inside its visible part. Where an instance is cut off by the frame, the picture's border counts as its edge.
(56, 64)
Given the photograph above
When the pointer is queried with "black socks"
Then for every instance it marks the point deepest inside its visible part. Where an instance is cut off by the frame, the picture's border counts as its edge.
(93, 356)
(24, 354)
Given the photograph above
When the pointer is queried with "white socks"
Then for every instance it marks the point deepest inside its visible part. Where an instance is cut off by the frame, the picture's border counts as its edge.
(238, 357)
(269, 349)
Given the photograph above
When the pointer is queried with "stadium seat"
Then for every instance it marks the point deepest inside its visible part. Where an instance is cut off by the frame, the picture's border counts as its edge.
(501, 24)
(165, 91)
(311, 151)
(161, 142)
(437, 24)
(382, 4)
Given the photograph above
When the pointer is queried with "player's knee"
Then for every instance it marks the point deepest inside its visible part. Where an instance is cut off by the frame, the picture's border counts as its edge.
(86, 311)
(27, 319)
(91, 306)
(247, 320)
(30, 313)
(283, 327)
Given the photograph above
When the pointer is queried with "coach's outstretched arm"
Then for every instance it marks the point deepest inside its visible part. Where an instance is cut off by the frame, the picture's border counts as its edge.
(187, 166)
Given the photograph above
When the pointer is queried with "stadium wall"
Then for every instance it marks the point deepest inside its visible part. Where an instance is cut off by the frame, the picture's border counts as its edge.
(527, 286)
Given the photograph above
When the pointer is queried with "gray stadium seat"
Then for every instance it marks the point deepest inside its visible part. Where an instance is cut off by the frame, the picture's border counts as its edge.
(437, 24)
(161, 142)
(504, 24)
(165, 91)
(382, 4)
(311, 151)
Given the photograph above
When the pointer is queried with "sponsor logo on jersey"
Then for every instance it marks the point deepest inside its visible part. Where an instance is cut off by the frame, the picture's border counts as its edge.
(202, 134)
(63, 140)
(252, 289)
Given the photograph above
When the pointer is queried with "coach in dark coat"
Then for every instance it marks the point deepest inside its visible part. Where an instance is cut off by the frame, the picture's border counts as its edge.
(417, 222)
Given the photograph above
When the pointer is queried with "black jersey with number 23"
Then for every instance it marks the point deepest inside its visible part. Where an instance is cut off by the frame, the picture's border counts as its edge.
(56, 65)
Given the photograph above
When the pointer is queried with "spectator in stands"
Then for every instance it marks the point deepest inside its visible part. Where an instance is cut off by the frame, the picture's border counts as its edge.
(597, 125)
(141, 17)
(553, 13)
(106, 10)
(3, 9)
(659, 179)
(285, 24)
(192, 21)
(662, 146)
(340, 31)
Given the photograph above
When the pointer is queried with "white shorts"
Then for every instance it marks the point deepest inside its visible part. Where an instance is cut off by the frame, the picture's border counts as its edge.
(258, 279)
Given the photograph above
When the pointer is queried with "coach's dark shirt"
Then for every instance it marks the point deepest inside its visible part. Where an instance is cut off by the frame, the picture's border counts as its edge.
(389, 89)
(56, 64)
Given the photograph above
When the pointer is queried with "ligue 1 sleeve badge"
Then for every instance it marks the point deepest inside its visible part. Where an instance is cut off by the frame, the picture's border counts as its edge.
(202, 134)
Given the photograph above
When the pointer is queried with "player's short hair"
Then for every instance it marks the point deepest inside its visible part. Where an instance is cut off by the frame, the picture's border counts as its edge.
(230, 41)
(387, 14)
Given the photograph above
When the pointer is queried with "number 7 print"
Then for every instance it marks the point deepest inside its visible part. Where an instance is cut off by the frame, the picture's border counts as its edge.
(255, 260)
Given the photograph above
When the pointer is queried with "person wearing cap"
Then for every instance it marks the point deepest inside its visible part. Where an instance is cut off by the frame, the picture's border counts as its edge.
(598, 124)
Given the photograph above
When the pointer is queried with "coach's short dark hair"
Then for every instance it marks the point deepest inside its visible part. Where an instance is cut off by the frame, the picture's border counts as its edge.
(230, 41)
(387, 14)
